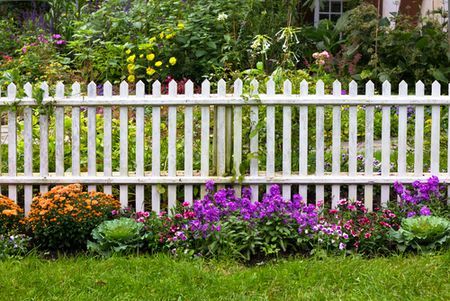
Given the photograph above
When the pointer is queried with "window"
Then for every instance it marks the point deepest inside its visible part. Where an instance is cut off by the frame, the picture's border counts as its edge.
(328, 9)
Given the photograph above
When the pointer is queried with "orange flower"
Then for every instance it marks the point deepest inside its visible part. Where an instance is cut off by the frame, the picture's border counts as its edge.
(9, 212)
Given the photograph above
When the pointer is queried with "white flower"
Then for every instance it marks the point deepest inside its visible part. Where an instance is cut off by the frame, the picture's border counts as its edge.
(222, 17)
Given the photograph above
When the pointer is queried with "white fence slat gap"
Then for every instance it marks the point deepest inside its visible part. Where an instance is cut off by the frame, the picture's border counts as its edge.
(76, 133)
(172, 149)
(303, 140)
(188, 142)
(12, 142)
(254, 112)
(402, 130)
(140, 127)
(418, 135)
(287, 149)
(123, 115)
(43, 154)
(59, 128)
(28, 148)
(435, 129)
(107, 137)
(336, 148)
(237, 135)
(352, 140)
(92, 136)
(270, 128)
(156, 147)
(385, 144)
(320, 144)
(205, 128)
(369, 160)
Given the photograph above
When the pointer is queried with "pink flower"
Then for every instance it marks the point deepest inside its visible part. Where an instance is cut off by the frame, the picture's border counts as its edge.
(185, 204)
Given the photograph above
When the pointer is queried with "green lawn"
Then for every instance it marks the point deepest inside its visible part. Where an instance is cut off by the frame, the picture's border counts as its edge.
(165, 278)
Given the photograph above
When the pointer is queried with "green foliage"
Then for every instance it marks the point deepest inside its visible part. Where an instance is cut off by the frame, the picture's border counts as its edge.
(423, 233)
(119, 236)
(13, 246)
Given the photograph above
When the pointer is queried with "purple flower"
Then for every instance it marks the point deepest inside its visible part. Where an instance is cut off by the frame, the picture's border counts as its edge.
(56, 36)
(398, 187)
(342, 246)
(210, 185)
(61, 42)
(425, 211)
(410, 214)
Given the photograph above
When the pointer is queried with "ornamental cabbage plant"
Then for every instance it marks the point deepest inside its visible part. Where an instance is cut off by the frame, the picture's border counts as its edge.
(423, 233)
(122, 236)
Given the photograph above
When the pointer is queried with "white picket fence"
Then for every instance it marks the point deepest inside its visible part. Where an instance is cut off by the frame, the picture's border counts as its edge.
(226, 138)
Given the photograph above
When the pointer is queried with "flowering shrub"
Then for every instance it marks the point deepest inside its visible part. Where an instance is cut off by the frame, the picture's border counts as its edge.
(224, 224)
(64, 217)
(356, 228)
(150, 59)
(424, 198)
(10, 215)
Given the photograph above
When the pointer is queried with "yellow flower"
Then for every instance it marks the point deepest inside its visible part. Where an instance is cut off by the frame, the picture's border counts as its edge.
(161, 35)
(131, 58)
(141, 56)
(131, 78)
(172, 61)
(131, 68)
(169, 36)
(180, 25)
(128, 51)
(153, 39)
(150, 71)
(158, 64)
(150, 57)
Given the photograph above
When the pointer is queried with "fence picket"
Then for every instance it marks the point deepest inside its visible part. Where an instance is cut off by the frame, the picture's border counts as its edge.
(172, 148)
(254, 112)
(12, 143)
(352, 140)
(107, 137)
(59, 128)
(435, 129)
(221, 131)
(140, 127)
(270, 128)
(418, 136)
(320, 125)
(92, 136)
(28, 148)
(287, 150)
(237, 135)
(123, 116)
(336, 152)
(303, 140)
(402, 131)
(156, 147)
(188, 137)
(369, 160)
(385, 144)
(205, 128)
(76, 133)
(43, 150)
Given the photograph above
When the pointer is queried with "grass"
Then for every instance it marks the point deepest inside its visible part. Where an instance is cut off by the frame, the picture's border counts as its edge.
(164, 278)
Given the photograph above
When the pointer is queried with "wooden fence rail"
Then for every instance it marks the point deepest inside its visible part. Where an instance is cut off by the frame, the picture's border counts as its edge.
(235, 138)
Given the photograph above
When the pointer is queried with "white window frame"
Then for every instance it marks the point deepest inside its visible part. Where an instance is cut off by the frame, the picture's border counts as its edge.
(317, 10)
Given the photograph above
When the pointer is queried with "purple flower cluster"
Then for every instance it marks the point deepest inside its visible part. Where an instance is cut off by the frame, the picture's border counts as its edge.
(217, 207)
(416, 200)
